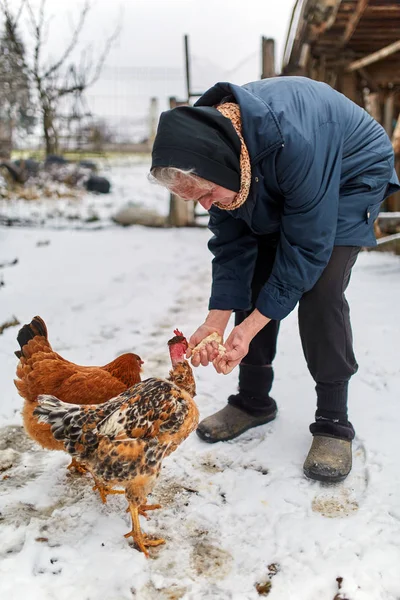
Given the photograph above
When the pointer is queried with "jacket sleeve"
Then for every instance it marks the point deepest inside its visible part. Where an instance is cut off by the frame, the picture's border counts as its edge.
(309, 180)
(235, 251)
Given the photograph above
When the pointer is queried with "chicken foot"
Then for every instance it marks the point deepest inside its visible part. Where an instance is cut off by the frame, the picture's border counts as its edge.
(104, 490)
(79, 467)
(143, 508)
(141, 540)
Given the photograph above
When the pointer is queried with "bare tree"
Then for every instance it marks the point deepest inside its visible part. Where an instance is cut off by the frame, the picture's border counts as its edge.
(99, 133)
(61, 79)
(16, 108)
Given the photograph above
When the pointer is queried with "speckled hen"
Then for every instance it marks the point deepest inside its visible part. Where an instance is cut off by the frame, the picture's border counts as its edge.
(40, 370)
(124, 440)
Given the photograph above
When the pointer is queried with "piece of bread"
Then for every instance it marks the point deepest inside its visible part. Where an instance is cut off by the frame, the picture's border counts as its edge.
(213, 337)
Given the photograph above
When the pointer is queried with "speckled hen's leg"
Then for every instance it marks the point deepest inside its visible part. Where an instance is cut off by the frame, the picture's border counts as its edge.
(74, 464)
(141, 540)
(142, 510)
(104, 490)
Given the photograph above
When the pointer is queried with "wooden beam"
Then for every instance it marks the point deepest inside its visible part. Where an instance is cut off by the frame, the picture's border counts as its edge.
(353, 21)
(374, 57)
(384, 8)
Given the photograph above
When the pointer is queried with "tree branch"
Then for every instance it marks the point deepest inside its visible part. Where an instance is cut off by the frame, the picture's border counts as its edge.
(7, 14)
(19, 12)
(11, 24)
(75, 38)
(70, 90)
(104, 54)
(37, 33)
(56, 80)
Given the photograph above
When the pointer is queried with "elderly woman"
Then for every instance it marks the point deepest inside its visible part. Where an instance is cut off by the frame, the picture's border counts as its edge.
(293, 174)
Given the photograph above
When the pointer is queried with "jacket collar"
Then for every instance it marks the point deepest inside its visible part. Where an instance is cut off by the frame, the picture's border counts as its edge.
(260, 126)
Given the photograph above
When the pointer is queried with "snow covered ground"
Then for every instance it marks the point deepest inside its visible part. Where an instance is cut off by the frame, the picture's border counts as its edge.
(82, 210)
(235, 515)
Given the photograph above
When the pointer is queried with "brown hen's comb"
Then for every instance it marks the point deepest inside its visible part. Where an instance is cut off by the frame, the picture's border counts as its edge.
(177, 332)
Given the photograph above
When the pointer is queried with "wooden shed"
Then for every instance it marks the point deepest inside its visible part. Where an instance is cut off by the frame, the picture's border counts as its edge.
(354, 46)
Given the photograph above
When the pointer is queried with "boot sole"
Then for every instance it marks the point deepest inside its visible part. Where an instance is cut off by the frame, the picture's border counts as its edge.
(324, 478)
(211, 440)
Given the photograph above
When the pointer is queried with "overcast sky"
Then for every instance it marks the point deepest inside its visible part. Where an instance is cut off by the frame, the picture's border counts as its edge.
(148, 59)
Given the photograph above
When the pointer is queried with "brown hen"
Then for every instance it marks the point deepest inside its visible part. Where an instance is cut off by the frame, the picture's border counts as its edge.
(123, 441)
(42, 371)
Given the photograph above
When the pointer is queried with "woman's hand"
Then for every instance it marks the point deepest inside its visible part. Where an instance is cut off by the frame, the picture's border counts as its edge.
(216, 321)
(238, 342)
(206, 354)
(237, 346)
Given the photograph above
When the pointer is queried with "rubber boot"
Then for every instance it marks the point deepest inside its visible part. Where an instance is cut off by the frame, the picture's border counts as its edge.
(251, 407)
(330, 455)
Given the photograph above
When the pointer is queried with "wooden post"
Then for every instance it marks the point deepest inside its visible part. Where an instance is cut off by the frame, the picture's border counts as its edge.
(348, 85)
(313, 69)
(322, 68)
(304, 56)
(267, 58)
(181, 212)
(373, 106)
(5, 139)
(396, 138)
(153, 119)
(187, 68)
(393, 202)
(389, 113)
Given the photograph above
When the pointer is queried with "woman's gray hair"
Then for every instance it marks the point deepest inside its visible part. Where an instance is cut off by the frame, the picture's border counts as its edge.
(172, 177)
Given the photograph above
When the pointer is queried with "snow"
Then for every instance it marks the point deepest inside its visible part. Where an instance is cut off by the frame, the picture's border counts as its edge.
(234, 514)
(80, 210)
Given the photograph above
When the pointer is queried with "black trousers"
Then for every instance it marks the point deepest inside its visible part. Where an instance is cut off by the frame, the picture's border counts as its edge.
(325, 331)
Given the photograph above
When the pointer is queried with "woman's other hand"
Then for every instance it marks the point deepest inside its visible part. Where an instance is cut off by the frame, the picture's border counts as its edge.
(237, 347)
(238, 342)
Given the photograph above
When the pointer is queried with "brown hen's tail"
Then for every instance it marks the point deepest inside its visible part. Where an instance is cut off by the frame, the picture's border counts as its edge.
(36, 327)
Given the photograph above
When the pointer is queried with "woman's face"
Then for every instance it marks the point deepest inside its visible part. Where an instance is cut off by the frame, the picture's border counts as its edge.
(206, 199)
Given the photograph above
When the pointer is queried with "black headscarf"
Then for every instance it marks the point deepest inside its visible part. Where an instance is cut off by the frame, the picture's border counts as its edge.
(202, 139)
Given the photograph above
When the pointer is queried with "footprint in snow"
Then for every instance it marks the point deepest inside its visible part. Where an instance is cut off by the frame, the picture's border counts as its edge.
(150, 592)
(343, 499)
(210, 561)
